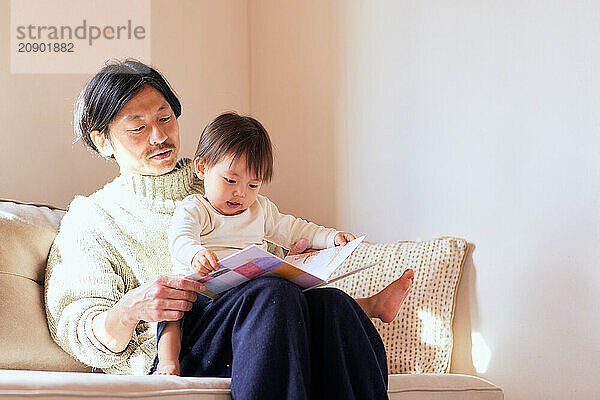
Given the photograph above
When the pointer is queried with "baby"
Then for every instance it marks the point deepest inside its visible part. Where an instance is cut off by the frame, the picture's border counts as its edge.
(234, 157)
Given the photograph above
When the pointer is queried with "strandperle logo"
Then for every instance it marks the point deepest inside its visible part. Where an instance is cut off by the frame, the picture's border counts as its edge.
(84, 31)
(77, 36)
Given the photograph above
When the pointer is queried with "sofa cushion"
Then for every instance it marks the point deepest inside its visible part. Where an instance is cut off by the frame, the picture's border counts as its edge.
(60, 385)
(27, 232)
(420, 339)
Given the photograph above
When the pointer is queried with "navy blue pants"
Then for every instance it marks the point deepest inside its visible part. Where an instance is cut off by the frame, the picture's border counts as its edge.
(276, 342)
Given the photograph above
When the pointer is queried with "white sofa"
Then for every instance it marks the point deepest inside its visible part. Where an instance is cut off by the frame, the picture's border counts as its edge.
(33, 366)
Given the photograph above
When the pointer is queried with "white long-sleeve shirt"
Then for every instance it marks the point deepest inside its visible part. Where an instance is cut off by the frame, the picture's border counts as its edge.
(197, 226)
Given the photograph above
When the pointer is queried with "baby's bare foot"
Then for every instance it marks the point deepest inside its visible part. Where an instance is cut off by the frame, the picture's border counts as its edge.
(166, 369)
(386, 304)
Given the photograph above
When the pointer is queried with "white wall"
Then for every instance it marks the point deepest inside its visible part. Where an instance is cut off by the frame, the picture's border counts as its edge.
(492, 112)
(474, 119)
(200, 46)
(293, 92)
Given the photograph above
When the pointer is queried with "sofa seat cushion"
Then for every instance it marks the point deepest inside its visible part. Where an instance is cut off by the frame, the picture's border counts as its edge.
(15, 384)
(441, 387)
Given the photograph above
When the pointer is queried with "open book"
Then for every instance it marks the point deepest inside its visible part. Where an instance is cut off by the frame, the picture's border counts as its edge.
(308, 270)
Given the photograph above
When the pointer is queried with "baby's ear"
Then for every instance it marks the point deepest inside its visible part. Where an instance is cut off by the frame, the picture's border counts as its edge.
(199, 168)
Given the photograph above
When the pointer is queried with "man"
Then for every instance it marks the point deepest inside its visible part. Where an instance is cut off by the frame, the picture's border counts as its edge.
(108, 271)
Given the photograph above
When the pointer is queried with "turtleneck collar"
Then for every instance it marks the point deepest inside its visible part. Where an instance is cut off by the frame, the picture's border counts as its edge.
(174, 185)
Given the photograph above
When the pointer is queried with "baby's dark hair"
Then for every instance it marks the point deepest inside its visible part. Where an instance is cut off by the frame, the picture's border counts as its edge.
(231, 134)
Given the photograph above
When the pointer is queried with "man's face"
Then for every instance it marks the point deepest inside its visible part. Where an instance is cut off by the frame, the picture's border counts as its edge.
(145, 134)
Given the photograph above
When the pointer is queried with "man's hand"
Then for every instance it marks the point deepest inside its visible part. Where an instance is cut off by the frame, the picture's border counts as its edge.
(301, 246)
(165, 298)
(342, 238)
(204, 262)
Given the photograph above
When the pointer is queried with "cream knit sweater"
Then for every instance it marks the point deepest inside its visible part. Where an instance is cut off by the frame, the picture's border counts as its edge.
(109, 243)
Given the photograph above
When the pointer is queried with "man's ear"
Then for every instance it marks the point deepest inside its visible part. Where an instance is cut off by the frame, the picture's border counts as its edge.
(102, 143)
(199, 168)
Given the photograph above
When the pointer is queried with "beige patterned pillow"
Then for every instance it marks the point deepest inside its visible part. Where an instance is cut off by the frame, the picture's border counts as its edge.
(420, 339)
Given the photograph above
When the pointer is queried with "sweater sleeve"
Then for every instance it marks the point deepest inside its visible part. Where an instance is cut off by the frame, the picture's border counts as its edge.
(286, 230)
(83, 280)
(189, 221)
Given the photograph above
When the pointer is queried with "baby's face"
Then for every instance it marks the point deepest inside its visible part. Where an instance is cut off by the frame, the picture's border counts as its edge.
(229, 186)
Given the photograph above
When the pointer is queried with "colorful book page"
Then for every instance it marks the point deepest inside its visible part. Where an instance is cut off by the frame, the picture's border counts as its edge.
(253, 262)
(323, 263)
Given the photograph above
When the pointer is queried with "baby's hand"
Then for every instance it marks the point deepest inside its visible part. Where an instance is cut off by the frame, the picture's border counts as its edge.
(167, 368)
(342, 238)
(204, 262)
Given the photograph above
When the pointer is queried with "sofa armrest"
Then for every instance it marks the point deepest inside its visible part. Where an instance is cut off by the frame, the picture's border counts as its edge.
(27, 232)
